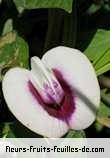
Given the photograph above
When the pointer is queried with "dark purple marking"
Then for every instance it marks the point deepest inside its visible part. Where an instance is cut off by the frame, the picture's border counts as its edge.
(67, 105)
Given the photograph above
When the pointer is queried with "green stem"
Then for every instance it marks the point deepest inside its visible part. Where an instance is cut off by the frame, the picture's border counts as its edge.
(105, 98)
(62, 28)
(70, 28)
(55, 18)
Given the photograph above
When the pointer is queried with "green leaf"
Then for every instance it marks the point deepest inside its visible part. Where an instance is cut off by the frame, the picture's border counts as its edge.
(104, 121)
(7, 132)
(103, 69)
(27, 4)
(103, 60)
(99, 45)
(105, 97)
(104, 111)
(98, 51)
(76, 134)
(17, 130)
(93, 8)
(13, 52)
(8, 27)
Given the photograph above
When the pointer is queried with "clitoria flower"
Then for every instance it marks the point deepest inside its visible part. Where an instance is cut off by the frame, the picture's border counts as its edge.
(59, 93)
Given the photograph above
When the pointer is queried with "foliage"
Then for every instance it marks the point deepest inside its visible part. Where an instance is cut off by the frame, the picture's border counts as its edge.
(98, 51)
(13, 52)
(26, 4)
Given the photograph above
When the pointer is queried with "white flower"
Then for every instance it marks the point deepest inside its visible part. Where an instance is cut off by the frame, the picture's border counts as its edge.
(59, 93)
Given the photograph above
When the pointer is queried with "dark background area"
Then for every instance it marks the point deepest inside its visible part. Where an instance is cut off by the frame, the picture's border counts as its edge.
(33, 25)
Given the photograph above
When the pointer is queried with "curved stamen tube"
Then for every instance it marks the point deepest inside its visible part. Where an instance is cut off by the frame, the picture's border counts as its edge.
(45, 82)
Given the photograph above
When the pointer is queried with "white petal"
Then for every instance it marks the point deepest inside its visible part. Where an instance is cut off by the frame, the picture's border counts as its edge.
(26, 108)
(80, 75)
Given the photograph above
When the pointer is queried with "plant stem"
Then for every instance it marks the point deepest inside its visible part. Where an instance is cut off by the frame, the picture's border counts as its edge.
(62, 28)
(105, 98)
(55, 18)
(70, 28)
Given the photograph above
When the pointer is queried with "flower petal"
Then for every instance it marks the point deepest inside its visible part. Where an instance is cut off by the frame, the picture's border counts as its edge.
(26, 107)
(78, 72)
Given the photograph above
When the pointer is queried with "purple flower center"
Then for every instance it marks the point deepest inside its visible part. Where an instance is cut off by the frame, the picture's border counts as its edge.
(65, 108)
